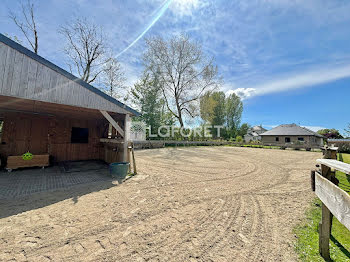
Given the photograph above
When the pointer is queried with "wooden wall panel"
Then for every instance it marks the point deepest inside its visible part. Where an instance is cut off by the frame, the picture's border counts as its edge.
(17, 70)
(54, 85)
(32, 77)
(60, 140)
(52, 135)
(24, 77)
(38, 140)
(23, 83)
(8, 73)
(3, 55)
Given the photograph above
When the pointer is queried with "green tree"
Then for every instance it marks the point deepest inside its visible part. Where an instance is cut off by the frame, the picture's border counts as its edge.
(147, 96)
(243, 130)
(212, 109)
(234, 109)
(216, 109)
(330, 133)
(184, 70)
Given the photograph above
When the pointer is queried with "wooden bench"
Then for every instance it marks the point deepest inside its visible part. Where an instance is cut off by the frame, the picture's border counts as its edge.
(14, 162)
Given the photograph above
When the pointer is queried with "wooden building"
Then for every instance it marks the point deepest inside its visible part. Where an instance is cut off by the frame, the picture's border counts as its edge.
(45, 110)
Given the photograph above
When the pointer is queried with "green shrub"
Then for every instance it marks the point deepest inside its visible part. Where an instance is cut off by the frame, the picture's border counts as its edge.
(343, 148)
(239, 139)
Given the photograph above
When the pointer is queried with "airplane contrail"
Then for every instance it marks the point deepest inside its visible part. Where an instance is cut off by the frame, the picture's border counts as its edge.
(155, 19)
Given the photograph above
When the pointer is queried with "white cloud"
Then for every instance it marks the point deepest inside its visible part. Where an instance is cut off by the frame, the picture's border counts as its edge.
(295, 81)
(243, 93)
(314, 128)
(184, 7)
(301, 80)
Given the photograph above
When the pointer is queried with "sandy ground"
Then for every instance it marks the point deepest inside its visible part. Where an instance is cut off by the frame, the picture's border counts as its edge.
(186, 204)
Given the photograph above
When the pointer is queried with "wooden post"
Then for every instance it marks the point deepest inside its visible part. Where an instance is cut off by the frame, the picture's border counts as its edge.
(110, 127)
(313, 172)
(325, 226)
(133, 159)
(127, 124)
(131, 150)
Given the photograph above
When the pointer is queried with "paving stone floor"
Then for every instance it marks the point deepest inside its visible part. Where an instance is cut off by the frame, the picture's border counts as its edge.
(24, 182)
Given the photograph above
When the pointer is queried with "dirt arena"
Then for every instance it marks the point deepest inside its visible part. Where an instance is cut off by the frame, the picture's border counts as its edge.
(186, 204)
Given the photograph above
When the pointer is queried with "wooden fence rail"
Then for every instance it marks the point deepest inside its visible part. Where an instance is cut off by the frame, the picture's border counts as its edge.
(335, 201)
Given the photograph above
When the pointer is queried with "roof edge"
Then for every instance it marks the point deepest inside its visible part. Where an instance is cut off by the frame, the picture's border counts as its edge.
(284, 125)
(7, 41)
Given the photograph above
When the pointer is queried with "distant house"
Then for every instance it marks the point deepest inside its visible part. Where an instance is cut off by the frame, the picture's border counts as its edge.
(292, 134)
(253, 134)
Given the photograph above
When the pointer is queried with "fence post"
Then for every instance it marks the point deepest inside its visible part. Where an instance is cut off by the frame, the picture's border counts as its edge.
(325, 226)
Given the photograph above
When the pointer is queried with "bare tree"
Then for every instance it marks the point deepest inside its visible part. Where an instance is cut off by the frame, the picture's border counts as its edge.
(184, 71)
(27, 24)
(347, 131)
(113, 76)
(86, 47)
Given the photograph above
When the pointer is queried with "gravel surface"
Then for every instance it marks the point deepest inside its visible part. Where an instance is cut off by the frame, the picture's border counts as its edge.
(186, 204)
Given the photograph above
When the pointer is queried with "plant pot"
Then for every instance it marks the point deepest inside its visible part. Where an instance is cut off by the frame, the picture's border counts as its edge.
(119, 170)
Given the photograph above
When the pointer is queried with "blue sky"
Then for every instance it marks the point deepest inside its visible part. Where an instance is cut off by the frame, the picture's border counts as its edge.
(289, 60)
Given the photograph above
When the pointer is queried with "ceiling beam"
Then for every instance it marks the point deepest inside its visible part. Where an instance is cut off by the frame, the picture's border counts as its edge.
(113, 122)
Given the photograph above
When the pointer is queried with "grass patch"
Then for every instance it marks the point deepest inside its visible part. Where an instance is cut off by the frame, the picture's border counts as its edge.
(307, 232)
(344, 179)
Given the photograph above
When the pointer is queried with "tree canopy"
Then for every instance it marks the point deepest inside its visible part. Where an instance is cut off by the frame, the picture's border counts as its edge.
(184, 72)
(330, 133)
(347, 130)
(146, 94)
(218, 109)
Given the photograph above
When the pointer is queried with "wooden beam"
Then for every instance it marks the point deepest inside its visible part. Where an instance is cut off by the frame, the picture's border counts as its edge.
(337, 165)
(111, 140)
(113, 122)
(336, 199)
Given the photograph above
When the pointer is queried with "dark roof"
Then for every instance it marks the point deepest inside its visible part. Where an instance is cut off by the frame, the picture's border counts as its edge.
(290, 130)
(27, 52)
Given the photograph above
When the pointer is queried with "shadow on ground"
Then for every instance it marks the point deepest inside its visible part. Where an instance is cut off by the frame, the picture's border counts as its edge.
(341, 247)
(10, 207)
(28, 189)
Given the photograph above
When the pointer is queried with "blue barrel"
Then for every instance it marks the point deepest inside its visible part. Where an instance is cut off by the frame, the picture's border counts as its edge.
(119, 170)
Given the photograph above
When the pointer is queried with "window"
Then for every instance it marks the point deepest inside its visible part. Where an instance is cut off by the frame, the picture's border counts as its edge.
(300, 139)
(79, 135)
(287, 139)
(277, 139)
